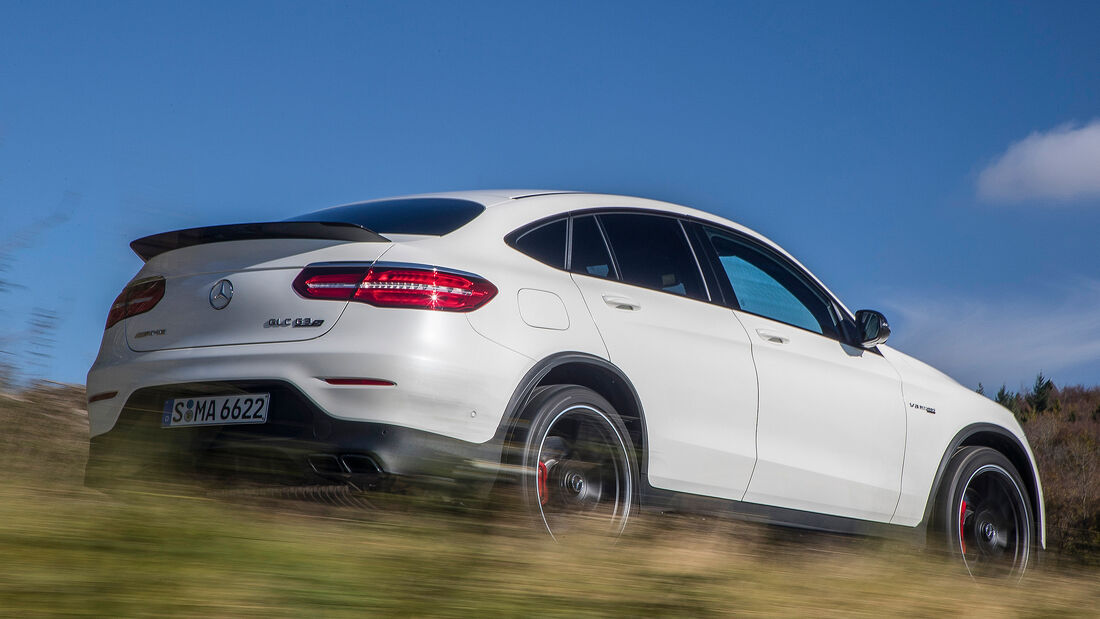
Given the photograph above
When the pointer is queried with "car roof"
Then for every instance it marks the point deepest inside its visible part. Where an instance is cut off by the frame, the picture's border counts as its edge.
(502, 201)
(485, 197)
(498, 200)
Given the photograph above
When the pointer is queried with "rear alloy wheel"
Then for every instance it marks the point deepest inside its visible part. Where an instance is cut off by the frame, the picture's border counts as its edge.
(578, 462)
(986, 512)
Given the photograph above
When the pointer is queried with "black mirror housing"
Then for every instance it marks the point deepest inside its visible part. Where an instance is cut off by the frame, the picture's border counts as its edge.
(872, 328)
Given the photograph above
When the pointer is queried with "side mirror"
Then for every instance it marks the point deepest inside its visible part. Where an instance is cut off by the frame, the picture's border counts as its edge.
(873, 328)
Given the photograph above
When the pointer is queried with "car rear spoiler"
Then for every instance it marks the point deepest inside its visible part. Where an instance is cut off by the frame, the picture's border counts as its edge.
(154, 245)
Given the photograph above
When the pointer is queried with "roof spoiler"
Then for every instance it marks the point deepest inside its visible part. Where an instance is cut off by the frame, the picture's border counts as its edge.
(150, 246)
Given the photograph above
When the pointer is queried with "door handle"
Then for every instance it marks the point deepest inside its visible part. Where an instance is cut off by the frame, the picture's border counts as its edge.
(623, 303)
(771, 336)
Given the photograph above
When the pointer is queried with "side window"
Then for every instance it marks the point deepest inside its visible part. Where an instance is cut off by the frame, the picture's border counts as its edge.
(653, 252)
(545, 244)
(590, 255)
(765, 286)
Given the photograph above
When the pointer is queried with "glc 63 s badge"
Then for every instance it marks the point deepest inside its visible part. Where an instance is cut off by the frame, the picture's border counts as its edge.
(292, 322)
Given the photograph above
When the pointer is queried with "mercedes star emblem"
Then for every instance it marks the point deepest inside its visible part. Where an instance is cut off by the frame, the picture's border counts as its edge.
(221, 294)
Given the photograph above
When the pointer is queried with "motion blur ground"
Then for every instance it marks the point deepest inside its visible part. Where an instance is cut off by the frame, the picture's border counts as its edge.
(167, 551)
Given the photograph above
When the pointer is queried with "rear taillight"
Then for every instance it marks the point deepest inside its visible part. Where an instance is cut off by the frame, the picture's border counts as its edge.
(396, 286)
(424, 288)
(336, 283)
(137, 298)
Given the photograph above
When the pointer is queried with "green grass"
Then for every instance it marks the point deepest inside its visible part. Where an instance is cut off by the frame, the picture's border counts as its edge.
(68, 551)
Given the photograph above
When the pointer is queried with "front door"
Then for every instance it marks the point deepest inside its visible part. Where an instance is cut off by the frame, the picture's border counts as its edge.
(831, 426)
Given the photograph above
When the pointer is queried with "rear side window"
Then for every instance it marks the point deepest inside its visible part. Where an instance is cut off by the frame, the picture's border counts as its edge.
(653, 252)
(545, 244)
(590, 255)
(430, 216)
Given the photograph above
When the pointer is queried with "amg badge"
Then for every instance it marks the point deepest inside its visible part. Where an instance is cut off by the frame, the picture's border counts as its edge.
(921, 407)
(292, 322)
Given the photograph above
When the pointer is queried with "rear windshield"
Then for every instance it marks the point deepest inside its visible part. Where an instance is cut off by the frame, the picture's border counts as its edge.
(435, 216)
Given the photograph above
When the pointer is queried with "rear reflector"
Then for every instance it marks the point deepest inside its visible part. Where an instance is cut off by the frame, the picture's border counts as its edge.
(371, 382)
(106, 395)
(396, 286)
(137, 298)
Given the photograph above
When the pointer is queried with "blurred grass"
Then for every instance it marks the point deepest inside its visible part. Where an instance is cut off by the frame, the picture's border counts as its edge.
(74, 552)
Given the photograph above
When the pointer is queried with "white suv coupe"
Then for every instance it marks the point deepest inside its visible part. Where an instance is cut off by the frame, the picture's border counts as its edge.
(606, 352)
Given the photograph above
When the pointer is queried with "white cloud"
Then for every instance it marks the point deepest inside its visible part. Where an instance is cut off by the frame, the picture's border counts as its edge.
(1005, 341)
(1062, 164)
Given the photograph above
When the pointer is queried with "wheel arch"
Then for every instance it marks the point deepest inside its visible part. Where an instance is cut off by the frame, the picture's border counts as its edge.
(1005, 442)
(595, 373)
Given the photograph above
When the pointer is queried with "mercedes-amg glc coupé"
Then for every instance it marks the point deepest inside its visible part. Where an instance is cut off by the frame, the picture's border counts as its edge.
(604, 353)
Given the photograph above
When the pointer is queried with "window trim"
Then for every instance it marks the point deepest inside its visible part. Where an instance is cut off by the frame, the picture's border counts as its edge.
(618, 275)
(695, 257)
(839, 317)
(614, 259)
(614, 274)
(513, 238)
(718, 295)
(725, 297)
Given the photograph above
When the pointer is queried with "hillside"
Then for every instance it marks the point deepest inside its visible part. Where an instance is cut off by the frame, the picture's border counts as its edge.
(77, 552)
(1063, 426)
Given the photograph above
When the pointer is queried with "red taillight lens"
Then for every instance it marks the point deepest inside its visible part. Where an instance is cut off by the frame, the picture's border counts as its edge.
(338, 283)
(424, 288)
(136, 299)
(397, 286)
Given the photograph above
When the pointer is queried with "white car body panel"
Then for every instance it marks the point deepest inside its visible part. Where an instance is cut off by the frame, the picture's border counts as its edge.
(261, 273)
(930, 434)
(501, 320)
(831, 437)
(691, 365)
(809, 425)
(437, 390)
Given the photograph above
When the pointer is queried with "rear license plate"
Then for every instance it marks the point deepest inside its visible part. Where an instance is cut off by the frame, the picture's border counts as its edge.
(216, 411)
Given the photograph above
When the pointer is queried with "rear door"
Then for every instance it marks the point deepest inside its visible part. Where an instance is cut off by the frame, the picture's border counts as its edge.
(831, 431)
(689, 361)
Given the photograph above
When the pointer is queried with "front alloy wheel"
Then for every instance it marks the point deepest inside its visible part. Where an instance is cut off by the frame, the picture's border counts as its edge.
(988, 519)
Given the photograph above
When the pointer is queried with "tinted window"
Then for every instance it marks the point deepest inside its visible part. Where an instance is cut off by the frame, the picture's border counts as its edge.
(765, 286)
(435, 216)
(653, 252)
(545, 244)
(590, 255)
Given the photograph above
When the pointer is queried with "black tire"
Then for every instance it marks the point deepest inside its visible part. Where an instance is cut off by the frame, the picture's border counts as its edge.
(579, 470)
(984, 513)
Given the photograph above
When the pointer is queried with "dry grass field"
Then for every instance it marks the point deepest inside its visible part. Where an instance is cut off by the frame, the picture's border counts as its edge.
(163, 552)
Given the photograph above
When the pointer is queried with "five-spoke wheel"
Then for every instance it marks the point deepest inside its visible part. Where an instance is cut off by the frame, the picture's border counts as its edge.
(579, 462)
(986, 513)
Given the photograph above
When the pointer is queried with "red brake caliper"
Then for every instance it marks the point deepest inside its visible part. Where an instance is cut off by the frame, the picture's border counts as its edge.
(962, 520)
(544, 494)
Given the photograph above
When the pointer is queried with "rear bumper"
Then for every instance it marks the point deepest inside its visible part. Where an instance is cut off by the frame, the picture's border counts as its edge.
(449, 379)
(299, 445)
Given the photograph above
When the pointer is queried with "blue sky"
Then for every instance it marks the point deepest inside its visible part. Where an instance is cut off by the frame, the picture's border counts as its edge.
(932, 160)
